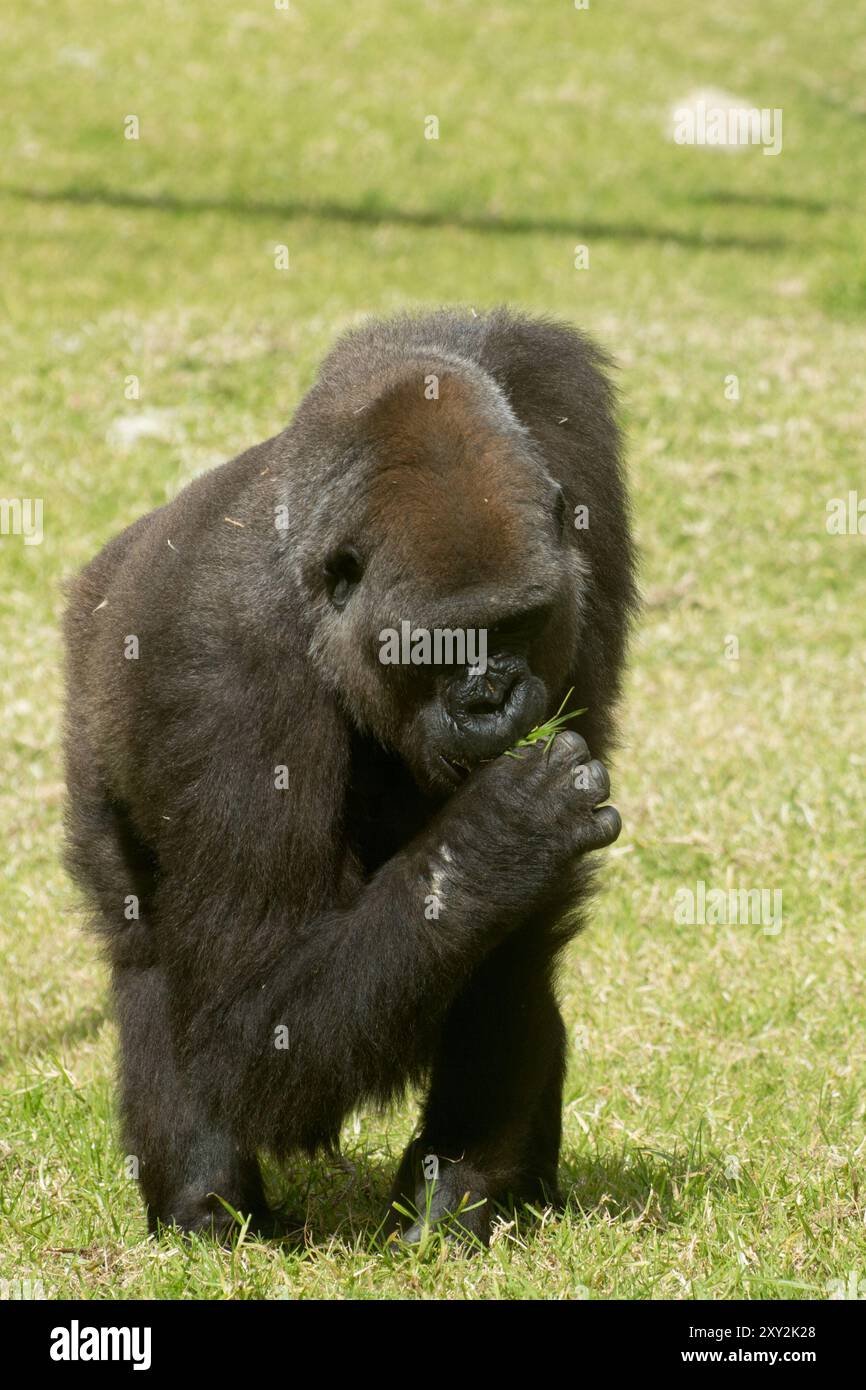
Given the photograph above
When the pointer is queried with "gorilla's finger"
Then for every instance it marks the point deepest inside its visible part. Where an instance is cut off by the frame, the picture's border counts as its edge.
(608, 823)
(593, 779)
(567, 746)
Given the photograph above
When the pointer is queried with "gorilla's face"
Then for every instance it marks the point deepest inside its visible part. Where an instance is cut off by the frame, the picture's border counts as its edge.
(467, 714)
(450, 603)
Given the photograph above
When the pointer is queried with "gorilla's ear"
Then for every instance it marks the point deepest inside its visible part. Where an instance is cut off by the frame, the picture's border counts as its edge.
(343, 570)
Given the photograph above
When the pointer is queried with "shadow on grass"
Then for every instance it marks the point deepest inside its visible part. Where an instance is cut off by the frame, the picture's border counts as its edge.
(778, 202)
(317, 1201)
(372, 212)
(322, 1201)
(647, 1183)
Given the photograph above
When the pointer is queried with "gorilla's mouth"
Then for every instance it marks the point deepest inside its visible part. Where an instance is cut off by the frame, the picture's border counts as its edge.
(464, 741)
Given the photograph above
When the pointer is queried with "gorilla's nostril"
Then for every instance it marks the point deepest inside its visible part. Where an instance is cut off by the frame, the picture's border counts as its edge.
(490, 693)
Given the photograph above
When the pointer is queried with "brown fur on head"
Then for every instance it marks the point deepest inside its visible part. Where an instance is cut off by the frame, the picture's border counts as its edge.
(453, 479)
(445, 517)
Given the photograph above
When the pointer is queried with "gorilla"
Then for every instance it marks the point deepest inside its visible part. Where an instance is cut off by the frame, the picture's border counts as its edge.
(320, 877)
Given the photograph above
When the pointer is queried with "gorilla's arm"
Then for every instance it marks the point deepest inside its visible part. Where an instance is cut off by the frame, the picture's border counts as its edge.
(308, 1018)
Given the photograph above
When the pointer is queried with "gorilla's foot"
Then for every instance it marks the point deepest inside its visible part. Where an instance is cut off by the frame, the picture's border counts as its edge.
(439, 1193)
(220, 1215)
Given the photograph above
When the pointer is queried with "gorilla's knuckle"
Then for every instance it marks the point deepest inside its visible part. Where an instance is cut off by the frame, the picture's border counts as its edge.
(566, 749)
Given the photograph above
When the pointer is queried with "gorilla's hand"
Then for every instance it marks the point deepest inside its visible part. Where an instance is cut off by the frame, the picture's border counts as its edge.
(555, 791)
(518, 822)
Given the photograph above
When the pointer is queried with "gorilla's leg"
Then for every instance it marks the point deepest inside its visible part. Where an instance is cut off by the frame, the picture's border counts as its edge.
(492, 1121)
(185, 1164)
(180, 1159)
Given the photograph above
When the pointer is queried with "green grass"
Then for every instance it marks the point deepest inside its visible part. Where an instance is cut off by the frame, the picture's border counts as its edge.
(714, 1121)
(547, 732)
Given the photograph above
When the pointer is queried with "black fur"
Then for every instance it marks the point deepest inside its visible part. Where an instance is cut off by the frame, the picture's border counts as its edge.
(309, 907)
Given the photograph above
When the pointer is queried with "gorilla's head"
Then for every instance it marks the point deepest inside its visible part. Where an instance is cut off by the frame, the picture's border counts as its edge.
(437, 559)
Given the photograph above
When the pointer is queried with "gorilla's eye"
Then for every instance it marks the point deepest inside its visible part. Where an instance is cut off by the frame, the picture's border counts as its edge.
(343, 570)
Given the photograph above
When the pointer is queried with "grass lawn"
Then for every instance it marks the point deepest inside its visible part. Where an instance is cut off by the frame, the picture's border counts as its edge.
(714, 1123)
